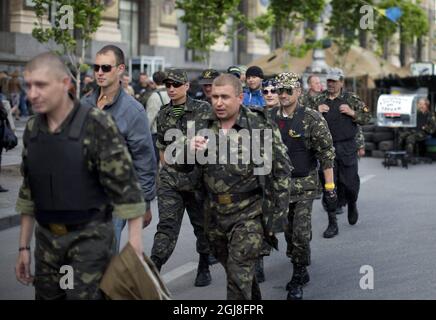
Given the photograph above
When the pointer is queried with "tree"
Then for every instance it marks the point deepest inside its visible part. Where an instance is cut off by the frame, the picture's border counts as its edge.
(72, 25)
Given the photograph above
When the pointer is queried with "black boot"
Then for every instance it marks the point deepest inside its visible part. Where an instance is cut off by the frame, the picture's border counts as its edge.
(156, 262)
(300, 277)
(353, 214)
(258, 268)
(3, 189)
(332, 228)
(203, 274)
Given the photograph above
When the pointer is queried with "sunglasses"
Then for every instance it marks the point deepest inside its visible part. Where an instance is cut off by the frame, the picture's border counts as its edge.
(272, 91)
(287, 90)
(104, 67)
(174, 84)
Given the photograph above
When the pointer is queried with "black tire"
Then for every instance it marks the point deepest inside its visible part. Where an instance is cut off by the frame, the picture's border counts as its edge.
(386, 145)
(369, 146)
(369, 136)
(382, 136)
(368, 128)
(378, 154)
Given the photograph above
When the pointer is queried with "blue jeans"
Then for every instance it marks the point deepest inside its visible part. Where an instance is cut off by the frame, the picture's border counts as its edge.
(118, 226)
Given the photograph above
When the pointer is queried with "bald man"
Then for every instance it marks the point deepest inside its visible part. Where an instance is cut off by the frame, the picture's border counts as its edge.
(76, 173)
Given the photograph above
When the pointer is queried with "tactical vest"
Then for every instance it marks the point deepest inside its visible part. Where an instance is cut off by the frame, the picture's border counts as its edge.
(62, 187)
(342, 127)
(292, 131)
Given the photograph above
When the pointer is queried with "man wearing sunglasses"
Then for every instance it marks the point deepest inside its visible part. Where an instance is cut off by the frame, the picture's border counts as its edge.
(131, 119)
(308, 141)
(343, 111)
(176, 187)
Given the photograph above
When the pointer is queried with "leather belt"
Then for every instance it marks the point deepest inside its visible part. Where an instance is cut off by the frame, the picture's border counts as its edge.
(61, 229)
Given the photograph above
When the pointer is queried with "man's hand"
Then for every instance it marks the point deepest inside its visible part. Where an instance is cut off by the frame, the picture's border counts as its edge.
(323, 108)
(198, 143)
(330, 199)
(345, 108)
(22, 268)
(361, 152)
(135, 235)
(147, 218)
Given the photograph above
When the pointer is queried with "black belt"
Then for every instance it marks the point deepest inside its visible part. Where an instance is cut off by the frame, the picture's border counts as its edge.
(228, 198)
(61, 229)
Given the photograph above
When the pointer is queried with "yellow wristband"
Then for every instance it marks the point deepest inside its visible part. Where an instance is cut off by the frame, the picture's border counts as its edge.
(329, 186)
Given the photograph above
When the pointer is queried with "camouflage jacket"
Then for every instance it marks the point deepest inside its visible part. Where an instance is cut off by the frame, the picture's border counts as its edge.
(362, 112)
(305, 99)
(318, 139)
(182, 173)
(106, 154)
(360, 138)
(227, 177)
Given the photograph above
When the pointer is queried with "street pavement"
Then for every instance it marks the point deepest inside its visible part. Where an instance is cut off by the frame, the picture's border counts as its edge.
(394, 239)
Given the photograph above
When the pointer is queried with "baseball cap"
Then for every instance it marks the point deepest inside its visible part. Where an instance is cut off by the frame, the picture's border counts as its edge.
(335, 74)
(236, 71)
(207, 76)
(177, 75)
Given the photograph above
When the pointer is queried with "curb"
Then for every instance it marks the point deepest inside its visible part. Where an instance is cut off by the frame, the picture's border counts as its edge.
(9, 222)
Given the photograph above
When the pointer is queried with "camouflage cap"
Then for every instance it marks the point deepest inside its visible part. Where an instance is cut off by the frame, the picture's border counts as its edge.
(207, 76)
(288, 80)
(335, 74)
(177, 75)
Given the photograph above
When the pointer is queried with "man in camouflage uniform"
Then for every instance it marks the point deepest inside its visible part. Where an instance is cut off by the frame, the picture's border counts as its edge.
(76, 171)
(425, 126)
(307, 137)
(343, 111)
(176, 187)
(206, 79)
(238, 217)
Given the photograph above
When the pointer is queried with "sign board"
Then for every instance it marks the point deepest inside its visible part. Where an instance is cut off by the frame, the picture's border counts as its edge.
(422, 69)
(397, 110)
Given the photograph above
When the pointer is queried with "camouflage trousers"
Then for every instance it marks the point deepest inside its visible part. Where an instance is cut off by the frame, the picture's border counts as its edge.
(88, 252)
(172, 204)
(299, 232)
(237, 244)
(408, 140)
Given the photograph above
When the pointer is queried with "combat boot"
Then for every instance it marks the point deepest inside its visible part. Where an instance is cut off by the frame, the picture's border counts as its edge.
(332, 228)
(353, 214)
(156, 262)
(300, 277)
(203, 274)
(258, 268)
(212, 259)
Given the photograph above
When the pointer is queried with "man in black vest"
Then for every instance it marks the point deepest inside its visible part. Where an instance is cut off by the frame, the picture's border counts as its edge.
(343, 111)
(76, 172)
(307, 137)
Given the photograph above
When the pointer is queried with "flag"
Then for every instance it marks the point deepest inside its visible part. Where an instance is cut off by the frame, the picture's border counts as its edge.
(392, 13)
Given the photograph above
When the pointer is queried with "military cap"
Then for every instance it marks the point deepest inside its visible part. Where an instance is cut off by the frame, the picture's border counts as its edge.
(335, 74)
(207, 76)
(288, 80)
(177, 75)
(236, 71)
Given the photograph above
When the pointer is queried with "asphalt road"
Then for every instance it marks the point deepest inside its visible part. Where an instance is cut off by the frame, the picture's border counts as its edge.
(394, 239)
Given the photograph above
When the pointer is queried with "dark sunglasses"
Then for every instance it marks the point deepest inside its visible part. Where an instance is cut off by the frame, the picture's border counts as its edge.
(174, 84)
(104, 67)
(283, 90)
(272, 91)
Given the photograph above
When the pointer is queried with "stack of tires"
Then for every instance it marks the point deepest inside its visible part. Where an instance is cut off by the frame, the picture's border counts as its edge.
(378, 140)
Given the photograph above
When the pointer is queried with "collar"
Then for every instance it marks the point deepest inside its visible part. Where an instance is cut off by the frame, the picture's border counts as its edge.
(241, 121)
(188, 105)
(96, 94)
(43, 125)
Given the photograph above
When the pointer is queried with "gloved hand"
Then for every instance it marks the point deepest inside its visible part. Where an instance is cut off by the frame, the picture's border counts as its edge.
(330, 199)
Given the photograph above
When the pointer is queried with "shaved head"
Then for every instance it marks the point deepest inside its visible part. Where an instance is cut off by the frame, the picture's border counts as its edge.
(48, 60)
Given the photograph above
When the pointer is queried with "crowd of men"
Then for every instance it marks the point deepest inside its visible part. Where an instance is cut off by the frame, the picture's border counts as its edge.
(93, 165)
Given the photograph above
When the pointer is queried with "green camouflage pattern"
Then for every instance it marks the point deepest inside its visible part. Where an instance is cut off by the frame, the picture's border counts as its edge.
(317, 138)
(360, 138)
(299, 232)
(177, 75)
(305, 99)
(106, 154)
(408, 137)
(87, 251)
(362, 112)
(288, 80)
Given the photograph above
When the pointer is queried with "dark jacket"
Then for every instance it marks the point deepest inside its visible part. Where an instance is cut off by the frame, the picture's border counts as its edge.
(132, 122)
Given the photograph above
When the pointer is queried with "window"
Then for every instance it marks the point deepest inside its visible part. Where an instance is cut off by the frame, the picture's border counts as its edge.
(128, 21)
(4, 15)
